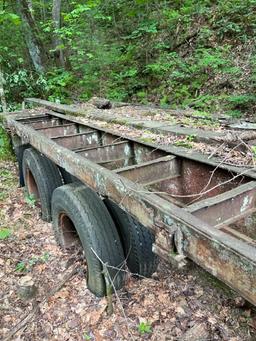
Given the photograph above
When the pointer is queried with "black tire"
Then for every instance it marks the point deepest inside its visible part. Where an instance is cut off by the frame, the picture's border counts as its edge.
(77, 210)
(66, 176)
(41, 177)
(19, 151)
(137, 242)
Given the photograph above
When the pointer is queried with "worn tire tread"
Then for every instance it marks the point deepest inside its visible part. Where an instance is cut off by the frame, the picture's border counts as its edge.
(137, 242)
(46, 175)
(85, 209)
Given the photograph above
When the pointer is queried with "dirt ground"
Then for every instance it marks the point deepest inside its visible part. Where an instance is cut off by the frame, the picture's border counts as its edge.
(161, 308)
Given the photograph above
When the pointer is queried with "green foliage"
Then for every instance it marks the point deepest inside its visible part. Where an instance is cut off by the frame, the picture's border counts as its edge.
(26, 265)
(241, 101)
(253, 151)
(87, 337)
(57, 82)
(197, 54)
(5, 145)
(145, 328)
(21, 267)
(10, 17)
(36, 260)
(30, 199)
(186, 142)
(4, 233)
(146, 139)
(234, 113)
(202, 114)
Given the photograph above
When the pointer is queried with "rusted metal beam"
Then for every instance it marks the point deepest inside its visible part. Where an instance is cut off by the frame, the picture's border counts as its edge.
(107, 138)
(244, 224)
(151, 170)
(54, 131)
(79, 140)
(155, 183)
(117, 163)
(34, 117)
(45, 124)
(144, 153)
(228, 258)
(84, 129)
(41, 121)
(226, 262)
(108, 152)
(238, 235)
(226, 207)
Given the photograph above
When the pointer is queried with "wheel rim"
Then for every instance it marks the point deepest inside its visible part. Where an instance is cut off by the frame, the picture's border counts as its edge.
(31, 185)
(68, 230)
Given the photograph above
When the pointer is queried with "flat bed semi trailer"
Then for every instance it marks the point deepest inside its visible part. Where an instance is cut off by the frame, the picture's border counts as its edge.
(177, 202)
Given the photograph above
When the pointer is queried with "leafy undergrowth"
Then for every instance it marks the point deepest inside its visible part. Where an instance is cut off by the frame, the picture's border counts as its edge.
(5, 146)
(161, 308)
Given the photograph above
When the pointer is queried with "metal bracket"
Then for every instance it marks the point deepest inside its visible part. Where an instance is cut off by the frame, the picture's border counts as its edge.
(177, 260)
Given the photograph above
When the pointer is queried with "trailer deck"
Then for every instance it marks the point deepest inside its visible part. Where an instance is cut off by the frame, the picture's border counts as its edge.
(198, 208)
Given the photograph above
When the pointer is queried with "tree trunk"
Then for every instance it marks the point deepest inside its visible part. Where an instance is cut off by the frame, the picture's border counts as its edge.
(42, 10)
(30, 6)
(2, 95)
(57, 42)
(35, 46)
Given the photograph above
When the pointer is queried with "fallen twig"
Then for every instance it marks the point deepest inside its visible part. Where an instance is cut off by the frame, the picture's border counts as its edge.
(215, 150)
(110, 281)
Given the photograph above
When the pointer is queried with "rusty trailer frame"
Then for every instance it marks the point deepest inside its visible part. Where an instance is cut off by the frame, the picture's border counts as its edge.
(198, 208)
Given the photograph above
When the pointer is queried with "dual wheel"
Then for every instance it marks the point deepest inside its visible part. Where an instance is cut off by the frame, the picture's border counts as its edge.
(110, 238)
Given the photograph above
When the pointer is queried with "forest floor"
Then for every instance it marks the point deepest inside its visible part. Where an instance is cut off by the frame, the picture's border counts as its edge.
(161, 308)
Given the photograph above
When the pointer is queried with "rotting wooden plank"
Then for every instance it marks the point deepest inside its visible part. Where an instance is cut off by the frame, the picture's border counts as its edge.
(229, 205)
(150, 170)
(228, 258)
